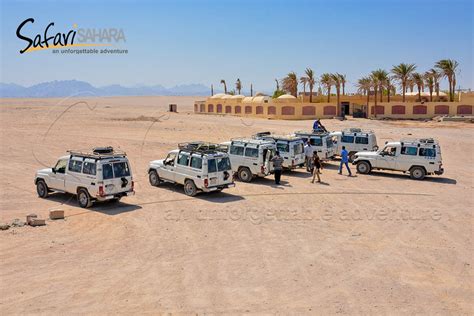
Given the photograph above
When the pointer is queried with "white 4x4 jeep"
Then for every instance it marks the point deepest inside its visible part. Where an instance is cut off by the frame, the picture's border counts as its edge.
(99, 175)
(198, 166)
(354, 140)
(291, 148)
(320, 141)
(417, 156)
(250, 157)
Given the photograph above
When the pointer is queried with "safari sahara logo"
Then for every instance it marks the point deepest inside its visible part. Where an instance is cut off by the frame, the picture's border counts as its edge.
(76, 37)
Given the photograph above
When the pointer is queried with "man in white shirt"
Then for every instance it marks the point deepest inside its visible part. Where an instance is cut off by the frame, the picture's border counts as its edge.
(308, 152)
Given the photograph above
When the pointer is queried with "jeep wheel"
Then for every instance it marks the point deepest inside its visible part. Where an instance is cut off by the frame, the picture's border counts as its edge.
(417, 173)
(190, 188)
(363, 167)
(154, 178)
(83, 198)
(42, 189)
(245, 175)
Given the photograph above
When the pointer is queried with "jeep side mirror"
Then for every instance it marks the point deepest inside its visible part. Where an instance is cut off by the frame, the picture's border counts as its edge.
(382, 154)
(53, 169)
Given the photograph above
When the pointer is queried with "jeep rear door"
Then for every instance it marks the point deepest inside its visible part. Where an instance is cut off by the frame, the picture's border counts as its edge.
(116, 176)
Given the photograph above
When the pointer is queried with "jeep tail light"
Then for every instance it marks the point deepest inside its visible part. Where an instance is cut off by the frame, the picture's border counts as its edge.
(262, 169)
(101, 191)
(206, 183)
(292, 162)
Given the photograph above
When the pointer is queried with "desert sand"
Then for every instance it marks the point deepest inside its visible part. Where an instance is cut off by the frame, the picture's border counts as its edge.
(379, 244)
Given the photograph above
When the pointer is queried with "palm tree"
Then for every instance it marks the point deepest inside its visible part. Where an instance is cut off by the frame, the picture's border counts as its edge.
(251, 89)
(363, 87)
(402, 73)
(429, 82)
(389, 86)
(375, 84)
(225, 86)
(304, 82)
(343, 83)
(436, 77)
(238, 85)
(418, 81)
(290, 84)
(278, 85)
(327, 82)
(311, 82)
(382, 77)
(448, 68)
(212, 90)
(336, 79)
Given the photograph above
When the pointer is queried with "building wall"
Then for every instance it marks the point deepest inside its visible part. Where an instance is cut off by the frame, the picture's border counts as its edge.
(295, 109)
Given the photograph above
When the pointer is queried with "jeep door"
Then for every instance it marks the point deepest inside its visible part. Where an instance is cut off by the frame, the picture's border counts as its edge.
(267, 153)
(388, 157)
(167, 170)
(73, 177)
(57, 178)
(219, 171)
(251, 157)
(116, 176)
(182, 170)
(283, 147)
(236, 155)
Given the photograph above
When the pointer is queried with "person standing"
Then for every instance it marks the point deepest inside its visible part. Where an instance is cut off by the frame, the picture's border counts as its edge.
(277, 166)
(317, 167)
(344, 161)
(308, 152)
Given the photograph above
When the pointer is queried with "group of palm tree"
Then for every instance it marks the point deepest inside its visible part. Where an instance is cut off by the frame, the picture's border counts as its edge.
(380, 81)
(377, 83)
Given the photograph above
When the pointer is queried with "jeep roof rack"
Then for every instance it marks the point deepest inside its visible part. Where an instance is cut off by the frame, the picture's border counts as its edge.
(99, 153)
(201, 147)
(267, 135)
(427, 141)
(318, 133)
(357, 130)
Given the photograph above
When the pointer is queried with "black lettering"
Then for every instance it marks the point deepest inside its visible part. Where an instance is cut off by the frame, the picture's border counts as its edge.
(46, 38)
(18, 34)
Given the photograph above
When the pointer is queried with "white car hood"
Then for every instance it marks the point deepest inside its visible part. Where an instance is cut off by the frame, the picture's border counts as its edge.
(367, 154)
(45, 171)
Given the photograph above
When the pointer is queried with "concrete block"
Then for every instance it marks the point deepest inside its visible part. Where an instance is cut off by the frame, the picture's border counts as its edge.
(30, 217)
(37, 222)
(56, 214)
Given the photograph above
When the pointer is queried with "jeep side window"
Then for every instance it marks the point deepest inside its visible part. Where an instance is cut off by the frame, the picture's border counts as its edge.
(121, 169)
(427, 152)
(411, 151)
(183, 159)
(316, 142)
(347, 139)
(223, 164)
(237, 150)
(283, 147)
(390, 151)
(196, 162)
(362, 140)
(89, 168)
(211, 166)
(107, 172)
(251, 152)
(75, 165)
(170, 159)
(298, 148)
(329, 142)
(61, 166)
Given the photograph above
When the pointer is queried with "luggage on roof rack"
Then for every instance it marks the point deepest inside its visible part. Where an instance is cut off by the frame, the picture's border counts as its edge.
(201, 147)
(99, 152)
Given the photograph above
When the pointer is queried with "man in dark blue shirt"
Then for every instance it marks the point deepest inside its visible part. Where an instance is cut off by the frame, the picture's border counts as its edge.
(344, 161)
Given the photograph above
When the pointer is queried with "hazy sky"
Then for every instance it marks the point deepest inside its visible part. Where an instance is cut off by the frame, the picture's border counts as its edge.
(179, 42)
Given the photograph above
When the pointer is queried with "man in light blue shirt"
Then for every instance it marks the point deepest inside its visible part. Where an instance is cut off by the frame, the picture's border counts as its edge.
(344, 161)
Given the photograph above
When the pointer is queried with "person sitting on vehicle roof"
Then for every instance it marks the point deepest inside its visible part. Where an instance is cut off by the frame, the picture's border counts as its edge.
(318, 126)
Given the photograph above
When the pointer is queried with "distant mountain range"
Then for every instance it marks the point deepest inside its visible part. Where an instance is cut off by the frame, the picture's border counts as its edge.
(65, 88)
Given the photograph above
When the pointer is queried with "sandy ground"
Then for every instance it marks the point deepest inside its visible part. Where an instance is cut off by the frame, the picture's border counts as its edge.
(379, 244)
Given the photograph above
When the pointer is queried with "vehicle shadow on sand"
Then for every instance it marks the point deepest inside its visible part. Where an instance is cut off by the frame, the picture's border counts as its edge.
(432, 179)
(106, 207)
(215, 197)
